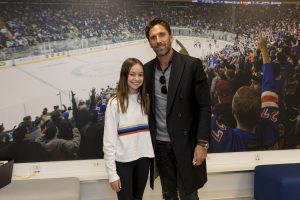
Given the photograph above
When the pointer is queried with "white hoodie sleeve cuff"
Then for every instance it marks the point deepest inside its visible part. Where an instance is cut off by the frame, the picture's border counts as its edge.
(113, 177)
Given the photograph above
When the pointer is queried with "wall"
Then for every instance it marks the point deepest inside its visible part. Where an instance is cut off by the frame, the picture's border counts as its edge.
(230, 175)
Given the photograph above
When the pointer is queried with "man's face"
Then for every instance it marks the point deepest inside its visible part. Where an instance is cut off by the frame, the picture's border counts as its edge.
(221, 71)
(255, 85)
(160, 40)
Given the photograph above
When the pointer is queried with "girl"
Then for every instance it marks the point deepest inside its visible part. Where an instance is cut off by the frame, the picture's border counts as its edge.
(127, 142)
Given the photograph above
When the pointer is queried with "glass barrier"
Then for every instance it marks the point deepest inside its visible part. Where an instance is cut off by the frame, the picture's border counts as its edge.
(12, 115)
(77, 43)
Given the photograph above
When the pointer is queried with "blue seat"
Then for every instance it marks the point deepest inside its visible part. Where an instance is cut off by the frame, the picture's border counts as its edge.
(277, 182)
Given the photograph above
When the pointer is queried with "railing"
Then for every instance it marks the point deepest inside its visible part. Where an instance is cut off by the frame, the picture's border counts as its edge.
(77, 43)
(11, 115)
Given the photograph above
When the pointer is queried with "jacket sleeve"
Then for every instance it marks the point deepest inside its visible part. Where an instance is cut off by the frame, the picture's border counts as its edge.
(110, 139)
(40, 139)
(201, 93)
(75, 111)
(71, 146)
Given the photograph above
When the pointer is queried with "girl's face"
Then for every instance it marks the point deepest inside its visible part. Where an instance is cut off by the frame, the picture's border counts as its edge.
(135, 78)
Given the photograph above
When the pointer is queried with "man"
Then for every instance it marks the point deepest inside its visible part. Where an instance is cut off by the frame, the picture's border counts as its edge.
(91, 144)
(180, 115)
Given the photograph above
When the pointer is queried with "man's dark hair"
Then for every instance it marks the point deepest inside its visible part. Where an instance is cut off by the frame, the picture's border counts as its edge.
(27, 118)
(55, 116)
(45, 111)
(1, 128)
(93, 116)
(258, 65)
(19, 133)
(281, 58)
(154, 22)
(275, 68)
(50, 131)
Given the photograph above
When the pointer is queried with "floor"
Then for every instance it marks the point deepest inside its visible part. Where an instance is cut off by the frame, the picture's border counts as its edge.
(212, 199)
(155, 198)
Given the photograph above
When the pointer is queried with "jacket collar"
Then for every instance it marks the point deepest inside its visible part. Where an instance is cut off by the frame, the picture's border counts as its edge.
(178, 66)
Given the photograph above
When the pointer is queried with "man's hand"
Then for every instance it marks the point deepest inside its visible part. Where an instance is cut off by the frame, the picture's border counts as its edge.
(262, 45)
(73, 94)
(200, 155)
(116, 185)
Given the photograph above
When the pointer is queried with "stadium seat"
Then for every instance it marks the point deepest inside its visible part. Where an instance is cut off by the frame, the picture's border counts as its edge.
(277, 182)
(46, 189)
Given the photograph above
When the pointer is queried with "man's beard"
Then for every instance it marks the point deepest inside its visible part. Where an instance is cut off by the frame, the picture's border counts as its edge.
(164, 51)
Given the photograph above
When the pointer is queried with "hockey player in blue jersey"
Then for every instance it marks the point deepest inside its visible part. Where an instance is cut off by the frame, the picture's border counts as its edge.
(256, 115)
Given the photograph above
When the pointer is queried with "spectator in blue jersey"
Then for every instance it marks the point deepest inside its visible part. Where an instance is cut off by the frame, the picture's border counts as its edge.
(245, 107)
(256, 115)
(102, 108)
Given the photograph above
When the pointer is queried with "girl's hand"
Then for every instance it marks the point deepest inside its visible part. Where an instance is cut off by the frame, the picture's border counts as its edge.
(116, 185)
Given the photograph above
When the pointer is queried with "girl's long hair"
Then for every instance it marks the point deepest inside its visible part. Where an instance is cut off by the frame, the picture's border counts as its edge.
(123, 89)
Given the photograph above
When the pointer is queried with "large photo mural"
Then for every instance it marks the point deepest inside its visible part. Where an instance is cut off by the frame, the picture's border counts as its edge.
(60, 62)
